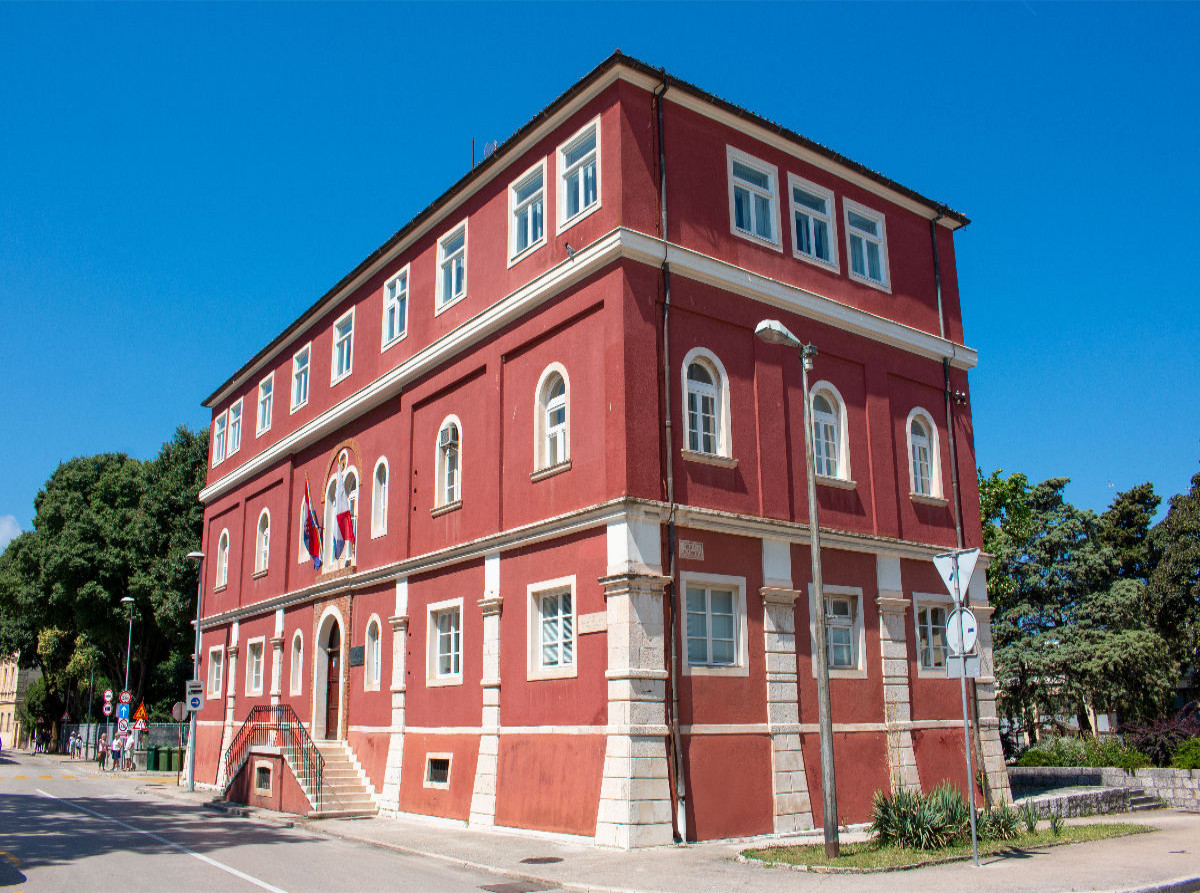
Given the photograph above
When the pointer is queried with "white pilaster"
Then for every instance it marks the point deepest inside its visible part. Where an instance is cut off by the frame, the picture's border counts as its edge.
(483, 792)
(789, 780)
(388, 799)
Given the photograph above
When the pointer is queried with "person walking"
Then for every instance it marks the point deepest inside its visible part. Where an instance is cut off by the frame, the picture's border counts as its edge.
(130, 740)
(115, 747)
(102, 751)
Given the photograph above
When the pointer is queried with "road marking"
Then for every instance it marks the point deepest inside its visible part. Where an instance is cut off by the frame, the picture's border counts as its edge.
(172, 844)
(45, 776)
(21, 777)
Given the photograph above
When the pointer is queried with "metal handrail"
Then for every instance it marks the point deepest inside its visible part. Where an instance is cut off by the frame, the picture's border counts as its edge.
(277, 725)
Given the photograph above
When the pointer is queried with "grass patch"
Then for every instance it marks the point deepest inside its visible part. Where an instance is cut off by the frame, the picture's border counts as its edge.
(872, 857)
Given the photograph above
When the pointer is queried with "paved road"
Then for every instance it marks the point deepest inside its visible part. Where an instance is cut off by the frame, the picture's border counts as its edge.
(63, 829)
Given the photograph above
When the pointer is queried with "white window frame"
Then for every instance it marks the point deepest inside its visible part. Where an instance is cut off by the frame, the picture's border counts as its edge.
(254, 687)
(923, 601)
(269, 399)
(771, 172)
(339, 340)
(432, 677)
(440, 785)
(216, 671)
(297, 402)
(398, 298)
(515, 208)
(564, 222)
(222, 575)
(858, 632)
(350, 553)
(842, 458)
(853, 232)
(235, 427)
(379, 499)
(262, 543)
(296, 676)
(220, 438)
(724, 445)
(830, 218)
(935, 494)
(535, 593)
(373, 657)
(541, 425)
(741, 664)
(446, 263)
(445, 495)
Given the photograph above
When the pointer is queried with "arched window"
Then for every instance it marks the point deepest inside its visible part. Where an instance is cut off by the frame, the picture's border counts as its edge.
(348, 551)
(552, 425)
(223, 560)
(924, 467)
(373, 657)
(449, 462)
(830, 444)
(379, 499)
(262, 545)
(705, 404)
(297, 663)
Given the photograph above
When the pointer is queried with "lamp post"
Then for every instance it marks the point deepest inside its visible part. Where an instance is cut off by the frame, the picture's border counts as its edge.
(774, 332)
(198, 557)
(128, 601)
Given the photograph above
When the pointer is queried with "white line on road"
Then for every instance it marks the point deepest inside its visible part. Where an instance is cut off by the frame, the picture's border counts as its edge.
(163, 840)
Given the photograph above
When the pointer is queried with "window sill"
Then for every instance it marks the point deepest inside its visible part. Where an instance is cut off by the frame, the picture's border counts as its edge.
(386, 344)
(715, 670)
(829, 266)
(340, 378)
(442, 308)
(844, 673)
(376, 534)
(884, 287)
(542, 674)
(550, 471)
(446, 509)
(929, 500)
(258, 574)
(571, 221)
(524, 253)
(756, 239)
(221, 588)
(709, 459)
(442, 681)
(840, 483)
(296, 407)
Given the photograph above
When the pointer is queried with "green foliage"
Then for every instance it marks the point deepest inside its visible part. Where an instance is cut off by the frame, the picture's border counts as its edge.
(1187, 755)
(1095, 753)
(1029, 817)
(1056, 824)
(918, 821)
(107, 527)
(1175, 580)
(1001, 822)
(1160, 738)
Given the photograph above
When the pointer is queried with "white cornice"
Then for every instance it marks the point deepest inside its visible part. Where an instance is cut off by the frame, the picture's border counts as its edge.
(607, 249)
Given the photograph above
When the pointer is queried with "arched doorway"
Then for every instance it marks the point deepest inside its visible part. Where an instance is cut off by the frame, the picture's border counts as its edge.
(327, 688)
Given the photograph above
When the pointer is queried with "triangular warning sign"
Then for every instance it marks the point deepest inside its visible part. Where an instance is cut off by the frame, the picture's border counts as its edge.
(956, 569)
(140, 725)
(140, 713)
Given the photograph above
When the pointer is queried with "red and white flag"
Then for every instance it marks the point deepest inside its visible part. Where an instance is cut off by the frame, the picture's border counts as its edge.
(312, 531)
(344, 523)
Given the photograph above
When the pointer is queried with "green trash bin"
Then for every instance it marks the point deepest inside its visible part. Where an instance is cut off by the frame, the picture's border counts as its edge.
(176, 762)
(152, 758)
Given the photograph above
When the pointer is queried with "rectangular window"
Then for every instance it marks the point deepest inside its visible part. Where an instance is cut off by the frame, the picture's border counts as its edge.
(812, 218)
(437, 770)
(753, 198)
(839, 632)
(395, 308)
(444, 643)
(215, 661)
(931, 636)
(300, 376)
(527, 203)
(552, 629)
(266, 390)
(866, 238)
(579, 175)
(452, 267)
(235, 427)
(218, 439)
(254, 667)
(845, 632)
(343, 347)
(712, 622)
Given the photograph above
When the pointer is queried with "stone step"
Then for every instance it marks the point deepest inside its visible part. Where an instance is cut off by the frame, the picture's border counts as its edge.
(1143, 802)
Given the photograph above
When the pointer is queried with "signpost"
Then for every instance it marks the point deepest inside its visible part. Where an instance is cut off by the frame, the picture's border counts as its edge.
(956, 569)
(194, 695)
(108, 710)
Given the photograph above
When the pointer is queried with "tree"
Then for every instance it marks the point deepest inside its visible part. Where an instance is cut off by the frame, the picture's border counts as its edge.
(1175, 580)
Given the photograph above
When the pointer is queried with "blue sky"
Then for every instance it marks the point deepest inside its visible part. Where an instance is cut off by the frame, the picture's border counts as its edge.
(179, 181)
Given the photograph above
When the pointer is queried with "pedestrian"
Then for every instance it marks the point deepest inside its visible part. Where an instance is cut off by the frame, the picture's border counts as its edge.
(102, 751)
(129, 742)
(79, 755)
(115, 747)
(71, 746)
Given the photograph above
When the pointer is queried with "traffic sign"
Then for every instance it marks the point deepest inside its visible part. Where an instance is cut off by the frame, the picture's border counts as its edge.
(108, 709)
(125, 697)
(66, 717)
(122, 726)
(195, 702)
(122, 711)
(140, 726)
(961, 631)
(140, 713)
(108, 695)
(178, 711)
(194, 687)
(956, 569)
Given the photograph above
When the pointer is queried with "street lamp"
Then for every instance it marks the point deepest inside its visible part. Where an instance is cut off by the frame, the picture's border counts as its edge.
(128, 600)
(198, 557)
(772, 331)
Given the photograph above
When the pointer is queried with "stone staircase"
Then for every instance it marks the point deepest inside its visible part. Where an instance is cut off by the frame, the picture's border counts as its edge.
(346, 795)
(1139, 801)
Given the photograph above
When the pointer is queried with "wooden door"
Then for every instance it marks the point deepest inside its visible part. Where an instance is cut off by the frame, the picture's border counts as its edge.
(333, 693)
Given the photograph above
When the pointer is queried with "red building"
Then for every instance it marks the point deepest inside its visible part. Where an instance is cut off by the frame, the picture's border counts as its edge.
(579, 597)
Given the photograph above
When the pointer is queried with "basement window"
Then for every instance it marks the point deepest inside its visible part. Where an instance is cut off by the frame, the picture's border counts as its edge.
(437, 770)
(262, 778)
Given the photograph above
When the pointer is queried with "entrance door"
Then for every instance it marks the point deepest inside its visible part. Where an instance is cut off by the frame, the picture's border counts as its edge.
(334, 690)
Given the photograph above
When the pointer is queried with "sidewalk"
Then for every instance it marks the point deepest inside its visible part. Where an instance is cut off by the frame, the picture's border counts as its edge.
(1167, 861)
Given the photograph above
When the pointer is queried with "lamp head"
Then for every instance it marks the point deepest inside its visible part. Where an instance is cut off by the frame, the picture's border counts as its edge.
(772, 331)
(127, 600)
(199, 556)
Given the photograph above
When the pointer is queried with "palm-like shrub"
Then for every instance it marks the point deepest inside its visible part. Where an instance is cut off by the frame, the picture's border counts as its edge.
(912, 819)
(1001, 822)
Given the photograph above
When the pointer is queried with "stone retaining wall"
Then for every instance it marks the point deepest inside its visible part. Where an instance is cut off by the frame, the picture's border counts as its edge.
(1177, 787)
(1076, 803)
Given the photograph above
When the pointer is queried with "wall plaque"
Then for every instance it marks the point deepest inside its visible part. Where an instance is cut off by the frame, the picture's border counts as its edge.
(691, 550)
(358, 655)
(596, 622)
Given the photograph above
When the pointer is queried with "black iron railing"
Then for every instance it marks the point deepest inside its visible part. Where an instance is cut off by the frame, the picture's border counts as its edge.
(276, 725)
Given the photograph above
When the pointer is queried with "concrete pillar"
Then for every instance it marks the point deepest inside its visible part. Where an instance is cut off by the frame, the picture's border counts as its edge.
(897, 691)
(276, 669)
(230, 699)
(389, 797)
(988, 726)
(483, 793)
(635, 794)
(792, 806)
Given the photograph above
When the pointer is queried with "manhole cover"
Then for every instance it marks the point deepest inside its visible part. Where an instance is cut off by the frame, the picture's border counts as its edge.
(541, 860)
